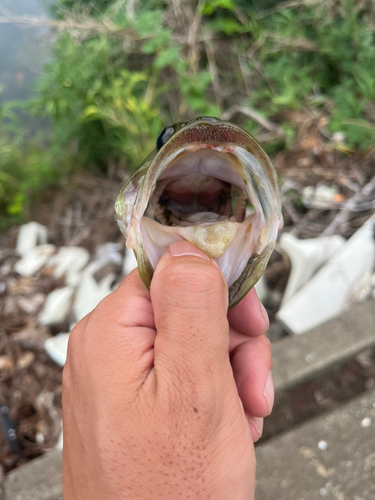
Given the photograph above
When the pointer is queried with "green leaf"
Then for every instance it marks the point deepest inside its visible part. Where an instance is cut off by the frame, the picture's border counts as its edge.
(167, 57)
(210, 6)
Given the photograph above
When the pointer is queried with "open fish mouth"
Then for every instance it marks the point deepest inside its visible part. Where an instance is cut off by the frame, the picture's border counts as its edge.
(209, 183)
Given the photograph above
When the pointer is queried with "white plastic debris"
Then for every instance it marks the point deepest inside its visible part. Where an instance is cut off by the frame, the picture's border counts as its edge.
(59, 444)
(34, 259)
(29, 236)
(306, 256)
(262, 289)
(110, 252)
(56, 347)
(330, 290)
(57, 306)
(70, 261)
(321, 196)
(130, 262)
(89, 292)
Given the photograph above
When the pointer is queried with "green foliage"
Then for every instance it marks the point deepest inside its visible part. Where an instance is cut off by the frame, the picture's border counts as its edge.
(133, 67)
(311, 58)
(26, 166)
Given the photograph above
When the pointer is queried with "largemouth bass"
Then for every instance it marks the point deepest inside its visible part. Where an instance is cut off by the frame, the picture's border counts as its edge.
(208, 182)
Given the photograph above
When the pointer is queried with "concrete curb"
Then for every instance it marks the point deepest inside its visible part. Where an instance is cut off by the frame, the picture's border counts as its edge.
(302, 357)
(331, 457)
(40, 479)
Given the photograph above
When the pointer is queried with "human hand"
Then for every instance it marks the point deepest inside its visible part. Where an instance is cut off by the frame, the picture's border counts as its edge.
(152, 400)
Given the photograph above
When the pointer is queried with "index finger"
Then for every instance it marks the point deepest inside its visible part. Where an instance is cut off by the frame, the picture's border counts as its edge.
(249, 317)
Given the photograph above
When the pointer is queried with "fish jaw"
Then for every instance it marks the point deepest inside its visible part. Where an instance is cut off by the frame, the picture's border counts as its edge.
(240, 247)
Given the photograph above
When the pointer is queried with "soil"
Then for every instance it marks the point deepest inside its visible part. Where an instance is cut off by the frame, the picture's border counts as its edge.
(80, 212)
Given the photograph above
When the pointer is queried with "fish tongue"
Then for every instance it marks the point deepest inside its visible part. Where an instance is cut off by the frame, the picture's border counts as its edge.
(213, 239)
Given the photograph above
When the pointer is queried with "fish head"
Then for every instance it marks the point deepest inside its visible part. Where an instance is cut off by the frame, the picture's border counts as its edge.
(208, 182)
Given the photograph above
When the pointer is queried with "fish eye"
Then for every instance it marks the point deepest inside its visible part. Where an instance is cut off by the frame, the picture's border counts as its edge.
(164, 135)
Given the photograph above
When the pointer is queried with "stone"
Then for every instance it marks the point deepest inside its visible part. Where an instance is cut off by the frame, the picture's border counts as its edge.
(31, 304)
(306, 257)
(331, 289)
(29, 236)
(32, 337)
(25, 360)
(56, 306)
(6, 363)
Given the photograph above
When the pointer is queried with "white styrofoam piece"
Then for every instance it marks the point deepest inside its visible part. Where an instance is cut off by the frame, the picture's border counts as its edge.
(70, 261)
(56, 347)
(89, 292)
(306, 256)
(34, 259)
(130, 262)
(330, 290)
(29, 236)
(261, 289)
(56, 306)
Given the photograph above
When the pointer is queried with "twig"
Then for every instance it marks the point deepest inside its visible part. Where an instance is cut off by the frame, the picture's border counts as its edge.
(254, 115)
(244, 76)
(290, 209)
(310, 215)
(192, 37)
(349, 206)
(214, 73)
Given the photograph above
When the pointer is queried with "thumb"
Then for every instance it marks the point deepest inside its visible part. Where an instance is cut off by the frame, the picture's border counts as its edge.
(190, 301)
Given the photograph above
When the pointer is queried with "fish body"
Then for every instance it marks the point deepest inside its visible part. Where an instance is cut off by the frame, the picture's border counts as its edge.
(208, 182)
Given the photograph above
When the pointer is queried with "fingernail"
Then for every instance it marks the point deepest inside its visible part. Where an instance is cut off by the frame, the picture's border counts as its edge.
(257, 423)
(269, 392)
(181, 248)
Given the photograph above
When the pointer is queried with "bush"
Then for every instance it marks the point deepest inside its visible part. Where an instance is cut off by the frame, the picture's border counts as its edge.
(122, 70)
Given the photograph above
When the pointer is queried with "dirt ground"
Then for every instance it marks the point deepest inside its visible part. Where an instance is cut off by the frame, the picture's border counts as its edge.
(80, 212)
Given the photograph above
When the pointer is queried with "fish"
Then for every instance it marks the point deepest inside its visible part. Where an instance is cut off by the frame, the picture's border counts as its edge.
(209, 182)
